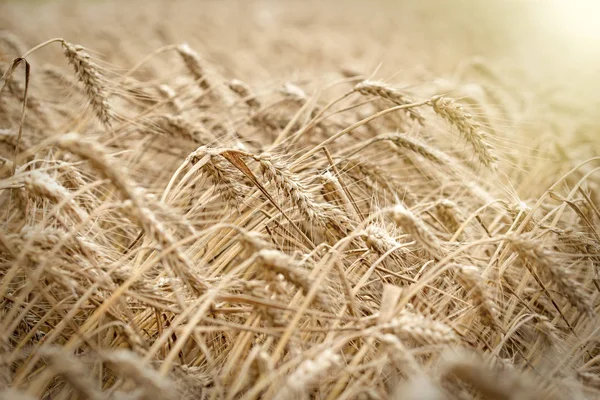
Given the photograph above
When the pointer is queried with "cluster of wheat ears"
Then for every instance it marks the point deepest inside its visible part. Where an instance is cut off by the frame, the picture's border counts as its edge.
(191, 235)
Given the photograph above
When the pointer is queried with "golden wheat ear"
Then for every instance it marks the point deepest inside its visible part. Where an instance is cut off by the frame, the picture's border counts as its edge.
(384, 91)
(89, 75)
(455, 114)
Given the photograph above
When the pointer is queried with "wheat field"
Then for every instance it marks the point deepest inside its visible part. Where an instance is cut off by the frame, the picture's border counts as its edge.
(297, 200)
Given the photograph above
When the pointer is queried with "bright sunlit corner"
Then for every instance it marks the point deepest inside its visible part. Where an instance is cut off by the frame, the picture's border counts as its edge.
(264, 199)
(578, 19)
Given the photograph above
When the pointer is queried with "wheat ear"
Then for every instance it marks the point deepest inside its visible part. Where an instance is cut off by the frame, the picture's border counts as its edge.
(422, 330)
(472, 281)
(88, 74)
(243, 91)
(293, 271)
(193, 62)
(308, 374)
(384, 91)
(415, 227)
(534, 253)
(291, 186)
(454, 113)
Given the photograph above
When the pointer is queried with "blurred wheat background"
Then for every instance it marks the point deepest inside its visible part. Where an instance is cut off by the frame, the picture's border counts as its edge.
(298, 200)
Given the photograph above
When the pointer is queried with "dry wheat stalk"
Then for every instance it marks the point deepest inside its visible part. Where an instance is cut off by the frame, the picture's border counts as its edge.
(416, 146)
(43, 185)
(224, 177)
(333, 192)
(375, 178)
(96, 155)
(89, 75)
(34, 104)
(103, 284)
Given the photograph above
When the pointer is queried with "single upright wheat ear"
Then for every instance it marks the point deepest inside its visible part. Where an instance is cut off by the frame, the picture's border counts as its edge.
(193, 62)
(93, 82)
(453, 112)
(380, 89)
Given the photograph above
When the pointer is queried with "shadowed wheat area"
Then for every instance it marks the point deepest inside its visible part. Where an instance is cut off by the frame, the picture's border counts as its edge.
(297, 200)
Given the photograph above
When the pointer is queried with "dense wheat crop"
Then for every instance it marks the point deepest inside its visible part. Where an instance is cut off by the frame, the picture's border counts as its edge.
(293, 200)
